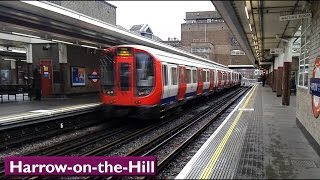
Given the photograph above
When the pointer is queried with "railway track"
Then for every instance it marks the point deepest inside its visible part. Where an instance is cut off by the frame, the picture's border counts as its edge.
(154, 147)
(73, 145)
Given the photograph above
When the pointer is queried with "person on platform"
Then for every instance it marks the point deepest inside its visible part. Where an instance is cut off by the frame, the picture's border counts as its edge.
(263, 78)
(36, 85)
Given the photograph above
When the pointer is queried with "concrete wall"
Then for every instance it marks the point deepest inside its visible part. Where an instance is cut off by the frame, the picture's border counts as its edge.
(97, 9)
(85, 58)
(219, 35)
(77, 57)
(304, 106)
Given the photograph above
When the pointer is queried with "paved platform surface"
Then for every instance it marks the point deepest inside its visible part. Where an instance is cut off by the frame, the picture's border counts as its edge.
(287, 153)
(19, 106)
(264, 143)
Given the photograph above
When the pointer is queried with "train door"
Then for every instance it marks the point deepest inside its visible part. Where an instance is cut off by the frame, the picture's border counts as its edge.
(188, 81)
(173, 79)
(182, 83)
(165, 82)
(219, 79)
(194, 83)
(211, 80)
(200, 82)
(215, 74)
(46, 77)
(124, 79)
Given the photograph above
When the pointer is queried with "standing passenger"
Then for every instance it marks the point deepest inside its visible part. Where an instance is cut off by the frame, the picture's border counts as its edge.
(263, 78)
(36, 85)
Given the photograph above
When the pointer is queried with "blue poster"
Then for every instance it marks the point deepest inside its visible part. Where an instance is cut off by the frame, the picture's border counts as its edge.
(78, 76)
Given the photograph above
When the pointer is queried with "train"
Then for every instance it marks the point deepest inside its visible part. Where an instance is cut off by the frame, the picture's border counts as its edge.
(140, 81)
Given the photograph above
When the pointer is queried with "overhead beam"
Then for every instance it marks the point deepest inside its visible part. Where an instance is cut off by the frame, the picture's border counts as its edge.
(227, 12)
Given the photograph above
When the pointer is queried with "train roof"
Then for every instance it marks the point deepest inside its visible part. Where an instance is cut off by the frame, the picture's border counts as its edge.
(178, 58)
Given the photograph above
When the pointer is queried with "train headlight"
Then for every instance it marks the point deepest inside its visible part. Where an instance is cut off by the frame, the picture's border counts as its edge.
(144, 91)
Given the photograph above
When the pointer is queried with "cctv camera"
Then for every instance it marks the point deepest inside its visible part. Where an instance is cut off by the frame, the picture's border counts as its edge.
(46, 47)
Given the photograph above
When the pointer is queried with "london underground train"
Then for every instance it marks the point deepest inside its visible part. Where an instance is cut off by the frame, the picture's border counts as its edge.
(140, 81)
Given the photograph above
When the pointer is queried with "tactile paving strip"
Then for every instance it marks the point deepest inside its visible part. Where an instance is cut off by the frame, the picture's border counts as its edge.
(251, 162)
(229, 156)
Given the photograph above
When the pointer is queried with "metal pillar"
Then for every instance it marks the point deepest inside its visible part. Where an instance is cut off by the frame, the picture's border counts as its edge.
(286, 73)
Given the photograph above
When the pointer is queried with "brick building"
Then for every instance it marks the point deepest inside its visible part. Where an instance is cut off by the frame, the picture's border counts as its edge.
(206, 34)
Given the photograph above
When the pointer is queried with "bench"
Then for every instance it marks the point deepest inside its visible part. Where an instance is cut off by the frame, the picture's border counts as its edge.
(293, 89)
(13, 90)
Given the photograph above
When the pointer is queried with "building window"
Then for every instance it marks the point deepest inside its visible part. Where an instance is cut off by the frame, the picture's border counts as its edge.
(304, 52)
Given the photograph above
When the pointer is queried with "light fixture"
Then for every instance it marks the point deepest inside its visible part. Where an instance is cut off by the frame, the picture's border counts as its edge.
(246, 11)
(54, 40)
(89, 46)
(250, 27)
(27, 35)
(8, 59)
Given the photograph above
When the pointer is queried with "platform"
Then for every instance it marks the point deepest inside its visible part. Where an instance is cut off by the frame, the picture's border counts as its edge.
(259, 139)
(18, 110)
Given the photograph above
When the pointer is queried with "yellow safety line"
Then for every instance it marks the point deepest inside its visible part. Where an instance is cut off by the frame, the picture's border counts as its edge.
(208, 169)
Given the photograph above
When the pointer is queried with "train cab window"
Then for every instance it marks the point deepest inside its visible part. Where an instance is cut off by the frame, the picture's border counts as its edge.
(144, 69)
(174, 80)
(144, 73)
(204, 76)
(194, 76)
(188, 76)
(165, 74)
(107, 65)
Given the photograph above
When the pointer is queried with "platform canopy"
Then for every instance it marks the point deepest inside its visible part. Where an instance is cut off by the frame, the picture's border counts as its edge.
(260, 25)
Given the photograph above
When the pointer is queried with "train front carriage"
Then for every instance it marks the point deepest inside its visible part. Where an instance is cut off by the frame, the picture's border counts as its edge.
(138, 81)
(129, 82)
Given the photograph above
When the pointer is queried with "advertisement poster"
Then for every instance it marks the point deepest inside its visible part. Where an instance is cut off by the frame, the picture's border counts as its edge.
(4, 74)
(78, 76)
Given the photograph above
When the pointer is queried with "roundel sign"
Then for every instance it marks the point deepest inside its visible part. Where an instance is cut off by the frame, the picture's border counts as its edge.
(94, 76)
(315, 88)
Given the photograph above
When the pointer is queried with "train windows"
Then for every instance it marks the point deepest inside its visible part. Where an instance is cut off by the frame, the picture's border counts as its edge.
(174, 76)
(124, 76)
(107, 71)
(208, 80)
(188, 76)
(194, 76)
(204, 76)
(144, 73)
(144, 69)
(165, 74)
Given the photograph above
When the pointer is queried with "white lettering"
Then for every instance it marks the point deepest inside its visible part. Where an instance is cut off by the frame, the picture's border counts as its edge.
(77, 168)
(117, 168)
(13, 166)
(61, 168)
(87, 168)
(100, 166)
(34, 167)
(26, 168)
(137, 166)
(106, 166)
(41, 166)
(50, 168)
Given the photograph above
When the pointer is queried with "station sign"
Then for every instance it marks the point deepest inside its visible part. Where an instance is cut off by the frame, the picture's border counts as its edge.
(94, 76)
(295, 16)
(276, 50)
(315, 88)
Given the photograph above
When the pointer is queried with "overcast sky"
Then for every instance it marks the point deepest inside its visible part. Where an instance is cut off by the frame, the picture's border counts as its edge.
(164, 17)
